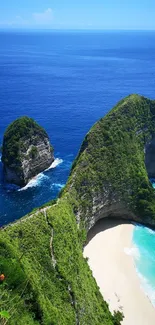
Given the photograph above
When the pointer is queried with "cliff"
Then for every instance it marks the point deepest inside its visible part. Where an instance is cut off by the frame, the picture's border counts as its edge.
(110, 177)
(47, 279)
(26, 151)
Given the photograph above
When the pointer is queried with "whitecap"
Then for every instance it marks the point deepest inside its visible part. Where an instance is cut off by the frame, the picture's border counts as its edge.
(55, 163)
(58, 185)
(152, 232)
(133, 251)
(153, 184)
(37, 180)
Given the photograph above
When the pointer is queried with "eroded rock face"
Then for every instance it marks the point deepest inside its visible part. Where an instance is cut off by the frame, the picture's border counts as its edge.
(111, 175)
(150, 158)
(25, 156)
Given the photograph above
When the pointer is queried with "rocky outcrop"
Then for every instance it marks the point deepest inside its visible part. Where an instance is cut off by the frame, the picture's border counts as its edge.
(150, 158)
(26, 151)
(111, 175)
(109, 178)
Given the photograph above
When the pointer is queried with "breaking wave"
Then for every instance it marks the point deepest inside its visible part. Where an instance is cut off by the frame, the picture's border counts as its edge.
(57, 185)
(147, 288)
(144, 241)
(36, 181)
(55, 163)
(133, 251)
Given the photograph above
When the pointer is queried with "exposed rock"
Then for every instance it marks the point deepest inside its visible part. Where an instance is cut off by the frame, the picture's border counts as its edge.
(110, 176)
(26, 151)
(150, 158)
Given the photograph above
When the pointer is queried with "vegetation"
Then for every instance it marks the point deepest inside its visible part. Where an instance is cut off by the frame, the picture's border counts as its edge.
(33, 152)
(21, 129)
(111, 161)
(118, 317)
(47, 280)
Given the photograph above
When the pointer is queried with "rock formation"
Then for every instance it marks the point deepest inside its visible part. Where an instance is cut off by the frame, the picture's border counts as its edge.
(110, 177)
(26, 151)
(47, 279)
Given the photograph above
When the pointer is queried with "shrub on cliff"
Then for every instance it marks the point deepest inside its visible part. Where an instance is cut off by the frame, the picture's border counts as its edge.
(21, 129)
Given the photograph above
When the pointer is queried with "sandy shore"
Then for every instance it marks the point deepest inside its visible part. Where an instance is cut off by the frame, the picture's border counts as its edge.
(115, 273)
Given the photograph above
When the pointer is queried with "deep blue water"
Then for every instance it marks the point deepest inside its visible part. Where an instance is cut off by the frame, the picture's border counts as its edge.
(66, 81)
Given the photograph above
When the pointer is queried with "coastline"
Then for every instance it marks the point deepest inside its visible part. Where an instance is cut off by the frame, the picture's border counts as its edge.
(115, 272)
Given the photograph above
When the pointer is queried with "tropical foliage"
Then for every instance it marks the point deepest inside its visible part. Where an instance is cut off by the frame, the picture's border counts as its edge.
(47, 280)
(14, 138)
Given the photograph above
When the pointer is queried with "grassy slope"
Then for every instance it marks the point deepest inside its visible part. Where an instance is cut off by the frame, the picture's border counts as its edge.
(47, 279)
(38, 291)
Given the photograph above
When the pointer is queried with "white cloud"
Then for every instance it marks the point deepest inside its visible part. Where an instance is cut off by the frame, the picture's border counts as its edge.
(17, 21)
(43, 18)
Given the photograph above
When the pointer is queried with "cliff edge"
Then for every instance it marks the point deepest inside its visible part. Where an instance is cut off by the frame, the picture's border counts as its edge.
(111, 175)
(47, 280)
(26, 151)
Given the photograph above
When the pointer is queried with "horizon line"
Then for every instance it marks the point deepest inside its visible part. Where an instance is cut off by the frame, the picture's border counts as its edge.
(74, 29)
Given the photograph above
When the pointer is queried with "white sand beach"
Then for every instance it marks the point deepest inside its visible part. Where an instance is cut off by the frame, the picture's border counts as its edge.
(115, 272)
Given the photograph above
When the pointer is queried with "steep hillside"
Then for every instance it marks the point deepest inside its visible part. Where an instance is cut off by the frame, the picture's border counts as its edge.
(26, 151)
(110, 176)
(47, 280)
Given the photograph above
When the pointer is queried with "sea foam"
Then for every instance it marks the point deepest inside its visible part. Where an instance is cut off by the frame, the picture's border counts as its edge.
(37, 180)
(55, 163)
(133, 251)
(144, 240)
(147, 288)
(57, 185)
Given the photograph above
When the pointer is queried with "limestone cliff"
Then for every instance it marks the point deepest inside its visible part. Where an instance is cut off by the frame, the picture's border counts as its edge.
(110, 177)
(47, 279)
(26, 151)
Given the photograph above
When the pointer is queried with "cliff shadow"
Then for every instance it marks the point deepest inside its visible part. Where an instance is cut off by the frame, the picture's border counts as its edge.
(103, 225)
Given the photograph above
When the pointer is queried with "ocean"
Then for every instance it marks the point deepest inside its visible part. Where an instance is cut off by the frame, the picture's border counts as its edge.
(66, 81)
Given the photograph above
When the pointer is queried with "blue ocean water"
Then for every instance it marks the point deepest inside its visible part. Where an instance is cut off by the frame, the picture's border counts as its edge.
(66, 81)
(143, 252)
(144, 258)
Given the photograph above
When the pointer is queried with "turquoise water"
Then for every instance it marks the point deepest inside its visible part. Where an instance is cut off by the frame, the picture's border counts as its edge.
(66, 81)
(144, 258)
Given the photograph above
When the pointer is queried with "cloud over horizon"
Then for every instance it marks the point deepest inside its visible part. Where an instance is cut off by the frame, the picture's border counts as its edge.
(44, 18)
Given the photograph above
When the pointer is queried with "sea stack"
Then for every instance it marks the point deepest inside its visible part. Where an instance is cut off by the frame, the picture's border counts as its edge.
(26, 151)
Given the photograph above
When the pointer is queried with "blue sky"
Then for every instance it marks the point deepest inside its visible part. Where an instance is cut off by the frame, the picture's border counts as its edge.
(80, 14)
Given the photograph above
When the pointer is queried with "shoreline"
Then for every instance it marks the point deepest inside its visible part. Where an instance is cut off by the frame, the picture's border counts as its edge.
(115, 271)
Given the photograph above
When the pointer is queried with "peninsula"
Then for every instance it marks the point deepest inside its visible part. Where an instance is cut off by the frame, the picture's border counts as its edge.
(47, 279)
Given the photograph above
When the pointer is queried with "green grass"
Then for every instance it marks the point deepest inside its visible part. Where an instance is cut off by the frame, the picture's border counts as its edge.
(49, 285)
(48, 281)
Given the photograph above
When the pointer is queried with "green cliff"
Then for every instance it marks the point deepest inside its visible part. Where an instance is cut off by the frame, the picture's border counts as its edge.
(110, 176)
(26, 151)
(47, 279)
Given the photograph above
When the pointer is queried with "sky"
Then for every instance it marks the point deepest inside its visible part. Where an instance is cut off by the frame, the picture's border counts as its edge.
(77, 14)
